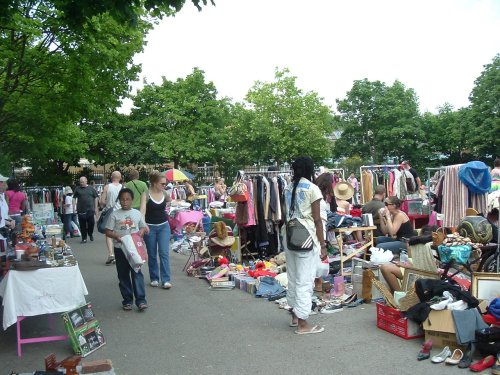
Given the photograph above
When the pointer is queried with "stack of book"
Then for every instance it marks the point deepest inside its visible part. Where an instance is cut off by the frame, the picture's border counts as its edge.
(222, 283)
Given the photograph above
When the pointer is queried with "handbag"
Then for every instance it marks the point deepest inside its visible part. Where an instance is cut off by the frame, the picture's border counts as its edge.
(298, 237)
(438, 236)
(238, 192)
(103, 219)
(460, 253)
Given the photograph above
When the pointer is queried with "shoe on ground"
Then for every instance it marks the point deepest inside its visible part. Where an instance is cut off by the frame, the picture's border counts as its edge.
(83, 241)
(143, 306)
(91, 237)
(154, 283)
(483, 364)
(441, 357)
(425, 352)
(455, 358)
(349, 299)
(467, 358)
(331, 309)
(166, 285)
(110, 260)
(495, 370)
(127, 307)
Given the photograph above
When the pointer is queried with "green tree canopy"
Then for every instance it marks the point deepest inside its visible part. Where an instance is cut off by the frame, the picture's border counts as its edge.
(485, 112)
(283, 122)
(184, 120)
(379, 121)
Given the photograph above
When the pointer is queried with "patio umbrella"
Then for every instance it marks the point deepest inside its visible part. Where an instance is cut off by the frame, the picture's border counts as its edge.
(178, 175)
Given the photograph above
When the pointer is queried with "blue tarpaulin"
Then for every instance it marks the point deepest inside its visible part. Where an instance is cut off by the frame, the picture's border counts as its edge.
(476, 176)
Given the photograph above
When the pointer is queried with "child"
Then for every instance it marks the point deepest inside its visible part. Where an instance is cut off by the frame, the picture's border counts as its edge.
(127, 220)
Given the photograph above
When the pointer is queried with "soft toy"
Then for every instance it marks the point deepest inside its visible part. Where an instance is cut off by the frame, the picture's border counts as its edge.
(222, 260)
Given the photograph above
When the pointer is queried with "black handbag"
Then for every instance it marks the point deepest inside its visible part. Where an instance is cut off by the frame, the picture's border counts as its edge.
(103, 219)
(298, 237)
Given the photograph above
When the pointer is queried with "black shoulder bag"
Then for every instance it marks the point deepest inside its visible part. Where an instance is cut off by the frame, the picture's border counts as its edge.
(298, 237)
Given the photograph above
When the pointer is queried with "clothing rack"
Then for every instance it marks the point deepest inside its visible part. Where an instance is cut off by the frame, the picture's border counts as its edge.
(333, 170)
(371, 167)
(428, 182)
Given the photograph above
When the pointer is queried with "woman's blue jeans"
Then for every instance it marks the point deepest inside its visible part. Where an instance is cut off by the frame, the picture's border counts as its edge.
(389, 243)
(158, 243)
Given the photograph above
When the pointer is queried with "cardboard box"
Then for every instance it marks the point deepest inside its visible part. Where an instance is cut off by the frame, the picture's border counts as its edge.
(440, 328)
(84, 331)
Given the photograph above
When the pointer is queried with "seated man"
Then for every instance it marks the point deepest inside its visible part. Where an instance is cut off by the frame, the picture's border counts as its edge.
(374, 206)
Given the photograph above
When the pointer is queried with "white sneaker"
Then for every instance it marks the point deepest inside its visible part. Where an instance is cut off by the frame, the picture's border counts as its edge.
(154, 283)
(332, 308)
(166, 285)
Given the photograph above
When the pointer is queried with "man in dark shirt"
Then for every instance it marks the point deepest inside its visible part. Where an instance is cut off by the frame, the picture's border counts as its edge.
(373, 207)
(414, 173)
(86, 202)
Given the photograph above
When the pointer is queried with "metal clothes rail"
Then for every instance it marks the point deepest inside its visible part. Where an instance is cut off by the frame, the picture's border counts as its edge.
(368, 167)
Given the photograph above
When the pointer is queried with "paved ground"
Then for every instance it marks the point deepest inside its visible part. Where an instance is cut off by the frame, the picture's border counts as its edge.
(191, 329)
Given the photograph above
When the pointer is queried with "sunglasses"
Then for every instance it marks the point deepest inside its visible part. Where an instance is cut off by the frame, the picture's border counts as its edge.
(389, 204)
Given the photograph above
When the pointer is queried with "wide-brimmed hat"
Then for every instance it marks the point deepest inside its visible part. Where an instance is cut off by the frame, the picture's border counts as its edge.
(220, 235)
(68, 190)
(343, 190)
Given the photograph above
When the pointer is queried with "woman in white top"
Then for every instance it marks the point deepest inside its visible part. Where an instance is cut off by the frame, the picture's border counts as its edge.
(109, 200)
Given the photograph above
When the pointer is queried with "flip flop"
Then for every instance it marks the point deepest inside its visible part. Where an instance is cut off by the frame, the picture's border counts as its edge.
(292, 324)
(315, 329)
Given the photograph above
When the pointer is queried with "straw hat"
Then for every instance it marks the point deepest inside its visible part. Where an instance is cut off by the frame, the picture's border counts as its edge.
(68, 190)
(343, 190)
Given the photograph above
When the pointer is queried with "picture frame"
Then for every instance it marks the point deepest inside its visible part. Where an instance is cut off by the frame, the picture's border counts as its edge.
(485, 285)
(411, 274)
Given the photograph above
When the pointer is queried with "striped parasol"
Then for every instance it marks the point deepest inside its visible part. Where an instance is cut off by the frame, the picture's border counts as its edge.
(178, 175)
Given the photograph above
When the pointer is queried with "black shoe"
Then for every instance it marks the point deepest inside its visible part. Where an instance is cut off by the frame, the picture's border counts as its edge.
(467, 358)
(83, 241)
(91, 237)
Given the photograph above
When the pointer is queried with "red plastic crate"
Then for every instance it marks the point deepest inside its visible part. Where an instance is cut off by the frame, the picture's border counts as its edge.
(391, 320)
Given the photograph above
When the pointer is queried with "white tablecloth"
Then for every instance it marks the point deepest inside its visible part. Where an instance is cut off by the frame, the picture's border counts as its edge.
(43, 291)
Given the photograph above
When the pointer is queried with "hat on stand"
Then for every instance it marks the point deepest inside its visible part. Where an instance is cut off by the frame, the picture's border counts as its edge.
(220, 236)
(343, 190)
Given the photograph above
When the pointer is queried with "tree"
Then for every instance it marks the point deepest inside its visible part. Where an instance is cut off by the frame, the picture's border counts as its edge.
(284, 123)
(380, 122)
(63, 63)
(447, 135)
(76, 13)
(485, 112)
(183, 119)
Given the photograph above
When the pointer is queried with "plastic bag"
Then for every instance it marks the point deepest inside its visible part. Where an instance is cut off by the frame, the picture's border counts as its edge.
(75, 229)
(131, 253)
(380, 255)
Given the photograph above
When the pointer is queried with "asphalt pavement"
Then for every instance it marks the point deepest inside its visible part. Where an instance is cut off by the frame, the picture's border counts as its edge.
(190, 329)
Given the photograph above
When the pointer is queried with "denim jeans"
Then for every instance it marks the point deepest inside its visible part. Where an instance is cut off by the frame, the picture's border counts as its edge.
(131, 283)
(68, 228)
(158, 242)
(389, 243)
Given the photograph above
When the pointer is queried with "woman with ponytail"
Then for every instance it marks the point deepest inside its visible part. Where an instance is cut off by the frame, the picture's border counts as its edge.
(302, 201)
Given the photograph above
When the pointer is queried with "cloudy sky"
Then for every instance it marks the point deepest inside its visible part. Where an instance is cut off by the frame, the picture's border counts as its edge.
(436, 47)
